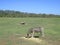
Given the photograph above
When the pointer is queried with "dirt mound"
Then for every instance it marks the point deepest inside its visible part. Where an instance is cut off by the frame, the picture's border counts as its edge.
(32, 39)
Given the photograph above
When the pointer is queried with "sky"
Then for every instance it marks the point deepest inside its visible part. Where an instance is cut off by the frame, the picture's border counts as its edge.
(32, 6)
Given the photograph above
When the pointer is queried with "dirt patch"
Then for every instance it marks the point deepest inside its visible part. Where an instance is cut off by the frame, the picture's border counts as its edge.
(32, 39)
(3, 42)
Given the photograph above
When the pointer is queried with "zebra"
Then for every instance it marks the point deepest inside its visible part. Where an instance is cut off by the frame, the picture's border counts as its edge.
(34, 30)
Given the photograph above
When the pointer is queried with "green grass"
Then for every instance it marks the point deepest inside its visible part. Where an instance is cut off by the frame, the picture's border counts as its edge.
(9, 27)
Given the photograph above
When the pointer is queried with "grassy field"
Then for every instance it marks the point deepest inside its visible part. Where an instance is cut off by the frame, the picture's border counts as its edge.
(11, 30)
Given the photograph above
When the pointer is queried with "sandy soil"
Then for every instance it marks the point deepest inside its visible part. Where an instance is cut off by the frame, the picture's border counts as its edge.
(32, 39)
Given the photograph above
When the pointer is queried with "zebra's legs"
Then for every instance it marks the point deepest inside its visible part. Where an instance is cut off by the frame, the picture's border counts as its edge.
(42, 32)
(33, 34)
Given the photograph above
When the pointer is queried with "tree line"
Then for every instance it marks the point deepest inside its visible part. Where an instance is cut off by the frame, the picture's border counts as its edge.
(11, 13)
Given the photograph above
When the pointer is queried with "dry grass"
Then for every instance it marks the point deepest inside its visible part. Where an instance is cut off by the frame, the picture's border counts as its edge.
(18, 40)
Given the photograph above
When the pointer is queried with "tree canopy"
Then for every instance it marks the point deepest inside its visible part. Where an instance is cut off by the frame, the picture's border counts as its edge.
(12, 13)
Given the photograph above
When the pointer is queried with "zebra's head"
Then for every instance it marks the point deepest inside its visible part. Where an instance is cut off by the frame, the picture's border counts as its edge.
(28, 35)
